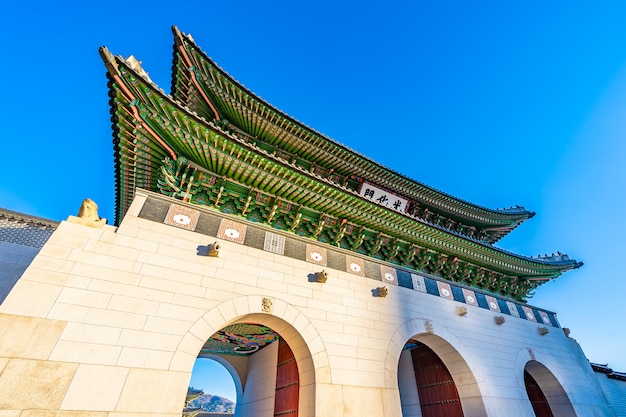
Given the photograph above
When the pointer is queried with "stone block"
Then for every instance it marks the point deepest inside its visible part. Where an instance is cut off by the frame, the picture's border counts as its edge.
(172, 286)
(42, 384)
(179, 312)
(145, 358)
(329, 400)
(81, 352)
(148, 340)
(82, 297)
(104, 273)
(55, 413)
(362, 401)
(166, 273)
(136, 205)
(49, 277)
(358, 378)
(131, 291)
(90, 333)
(95, 388)
(55, 251)
(41, 295)
(30, 337)
(115, 318)
(154, 391)
(165, 260)
(167, 326)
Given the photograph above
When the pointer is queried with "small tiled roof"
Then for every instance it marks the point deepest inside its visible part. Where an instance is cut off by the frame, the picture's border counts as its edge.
(610, 373)
(24, 229)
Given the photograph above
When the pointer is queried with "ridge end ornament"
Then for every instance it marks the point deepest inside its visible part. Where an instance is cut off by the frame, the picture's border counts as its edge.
(88, 215)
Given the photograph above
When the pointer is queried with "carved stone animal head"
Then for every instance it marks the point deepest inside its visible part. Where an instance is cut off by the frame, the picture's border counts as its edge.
(89, 210)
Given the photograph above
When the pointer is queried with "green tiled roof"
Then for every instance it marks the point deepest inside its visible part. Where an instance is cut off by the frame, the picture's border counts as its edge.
(163, 145)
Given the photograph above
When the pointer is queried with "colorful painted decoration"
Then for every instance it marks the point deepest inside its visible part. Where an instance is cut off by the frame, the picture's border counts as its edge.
(239, 339)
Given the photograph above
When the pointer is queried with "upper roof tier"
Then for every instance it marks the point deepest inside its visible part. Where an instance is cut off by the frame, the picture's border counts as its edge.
(164, 146)
(209, 91)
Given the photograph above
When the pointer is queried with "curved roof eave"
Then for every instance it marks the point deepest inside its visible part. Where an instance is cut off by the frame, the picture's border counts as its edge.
(510, 218)
(560, 264)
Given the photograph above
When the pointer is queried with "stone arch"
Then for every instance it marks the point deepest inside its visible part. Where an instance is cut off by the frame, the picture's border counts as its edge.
(451, 352)
(287, 320)
(551, 387)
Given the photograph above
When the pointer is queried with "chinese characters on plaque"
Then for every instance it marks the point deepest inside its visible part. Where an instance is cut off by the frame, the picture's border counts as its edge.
(384, 198)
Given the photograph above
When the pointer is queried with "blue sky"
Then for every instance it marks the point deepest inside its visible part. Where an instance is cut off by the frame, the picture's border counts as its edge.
(498, 103)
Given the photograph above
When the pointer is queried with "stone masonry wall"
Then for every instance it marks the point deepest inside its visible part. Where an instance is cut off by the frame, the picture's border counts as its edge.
(108, 322)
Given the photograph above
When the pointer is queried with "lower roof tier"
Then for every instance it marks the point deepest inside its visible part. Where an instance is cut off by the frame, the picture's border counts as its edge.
(162, 146)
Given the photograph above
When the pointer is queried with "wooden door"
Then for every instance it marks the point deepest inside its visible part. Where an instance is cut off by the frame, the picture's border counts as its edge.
(287, 382)
(537, 398)
(436, 389)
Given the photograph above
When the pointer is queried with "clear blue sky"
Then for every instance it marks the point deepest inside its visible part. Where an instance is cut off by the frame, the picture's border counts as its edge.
(499, 103)
(213, 378)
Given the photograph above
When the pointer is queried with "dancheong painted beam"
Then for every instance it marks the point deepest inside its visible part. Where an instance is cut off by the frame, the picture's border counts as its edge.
(214, 143)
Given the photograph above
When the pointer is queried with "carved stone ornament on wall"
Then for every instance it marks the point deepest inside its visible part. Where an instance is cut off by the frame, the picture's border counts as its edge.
(388, 275)
(529, 313)
(512, 308)
(316, 254)
(492, 303)
(544, 317)
(88, 215)
(418, 283)
(445, 290)
(183, 217)
(428, 326)
(355, 265)
(266, 305)
(232, 231)
(470, 297)
(274, 243)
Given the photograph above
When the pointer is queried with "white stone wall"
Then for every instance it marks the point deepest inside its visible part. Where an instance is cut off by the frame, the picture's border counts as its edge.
(108, 322)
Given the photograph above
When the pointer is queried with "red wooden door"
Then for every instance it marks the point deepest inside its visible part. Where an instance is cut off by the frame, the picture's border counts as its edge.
(287, 382)
(435, 387)
(537, 398)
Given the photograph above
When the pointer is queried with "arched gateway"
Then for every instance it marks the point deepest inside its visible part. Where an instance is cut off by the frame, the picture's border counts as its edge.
(433, 376)
(545, 392)
(231, 214)
(268, 355)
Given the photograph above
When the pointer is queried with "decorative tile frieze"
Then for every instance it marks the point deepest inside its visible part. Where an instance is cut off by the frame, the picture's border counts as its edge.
(316, 254)
(544, 318)
(418, 283)
(231, 230)
(445, 290)
(530, 315)
(355, 265)
(274, 243)
(492, 302)
(183, 217)
(388, 275)
(470, 297)
(512, 308)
